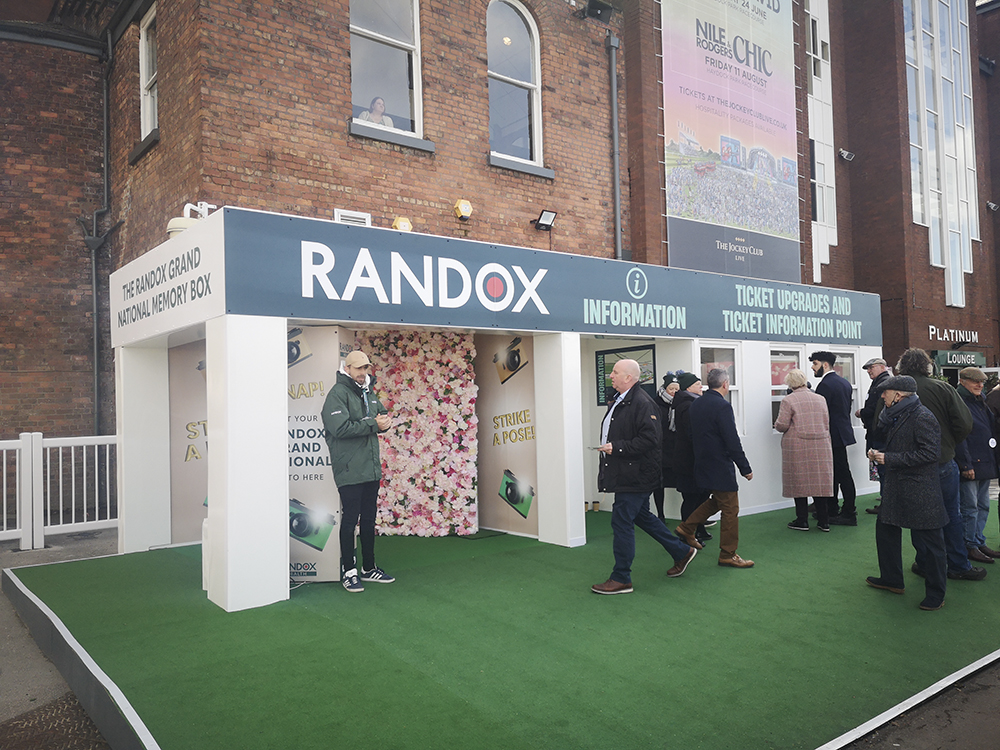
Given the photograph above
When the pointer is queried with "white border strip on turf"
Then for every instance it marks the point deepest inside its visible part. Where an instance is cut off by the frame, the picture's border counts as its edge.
(143, 733)
(914, 700)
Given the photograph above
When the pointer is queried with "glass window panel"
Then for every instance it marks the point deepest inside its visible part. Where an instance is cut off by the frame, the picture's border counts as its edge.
(508, 43)
(844, 367)
(956, 281)
(956, 26)
(963, 13)
(820, 204)
(944, 40)
(825, 49)
(951, 191)
(814, 37)
(510, 120)
(970, 148)
(930, 90)
(391, 18)
(917, 185)
(151, 51)
(718, 358)
(927, 15)
(831, 206)
(910, 32)
(967, 62)
(380, 70)
(933, 174)
(817, 68)
(948, 114)
(963, 209)
(782, 363)
(913, 102)
(820, 172)
(937, 254)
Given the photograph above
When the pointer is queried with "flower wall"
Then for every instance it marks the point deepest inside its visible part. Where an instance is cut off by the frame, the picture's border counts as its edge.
(427, 381)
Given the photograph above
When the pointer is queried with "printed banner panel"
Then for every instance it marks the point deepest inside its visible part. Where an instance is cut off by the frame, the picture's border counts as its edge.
(729, 123)
(310, 269)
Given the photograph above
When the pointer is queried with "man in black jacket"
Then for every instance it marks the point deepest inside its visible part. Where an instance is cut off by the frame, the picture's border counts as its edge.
(630, 468)
(878, 371)
(838, 394)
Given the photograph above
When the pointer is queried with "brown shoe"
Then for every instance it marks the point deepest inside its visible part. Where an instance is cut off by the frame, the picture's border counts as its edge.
(681, 565)
(977, 554)
(687, 538)
(612, 587)
(987, 551)
(735, 562)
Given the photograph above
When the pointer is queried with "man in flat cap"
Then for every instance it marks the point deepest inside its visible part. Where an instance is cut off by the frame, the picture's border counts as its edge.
(911, 497)
(878, 371)
(353, 416)
(977, 464)
(839, 396)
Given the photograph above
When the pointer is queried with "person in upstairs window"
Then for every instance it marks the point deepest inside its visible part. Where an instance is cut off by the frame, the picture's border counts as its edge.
(376, 113)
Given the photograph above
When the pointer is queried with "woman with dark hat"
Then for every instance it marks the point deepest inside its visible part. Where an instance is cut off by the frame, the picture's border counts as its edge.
(665, 400)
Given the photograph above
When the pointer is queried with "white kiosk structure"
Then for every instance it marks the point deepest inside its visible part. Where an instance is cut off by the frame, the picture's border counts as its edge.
(240, 279)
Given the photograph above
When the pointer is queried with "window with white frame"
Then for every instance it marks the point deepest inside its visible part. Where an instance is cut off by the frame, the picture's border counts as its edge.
(149, 119)
(783, 361)
(822, 150)
(844, 366)
(942, 146)
(514, 89)
(722, 358)
(385, 64)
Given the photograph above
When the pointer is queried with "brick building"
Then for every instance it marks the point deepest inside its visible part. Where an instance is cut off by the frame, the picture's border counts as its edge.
(257, 104)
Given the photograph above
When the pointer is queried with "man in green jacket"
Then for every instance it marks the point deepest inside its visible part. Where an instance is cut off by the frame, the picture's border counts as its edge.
(353, 416)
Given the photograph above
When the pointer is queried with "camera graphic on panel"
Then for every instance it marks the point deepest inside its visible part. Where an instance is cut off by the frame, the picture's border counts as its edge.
(298, 347)
(517, 494)
(509, 361)
(309, 527)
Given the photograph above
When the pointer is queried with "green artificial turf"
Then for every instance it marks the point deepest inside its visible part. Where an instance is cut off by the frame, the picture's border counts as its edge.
(497, 642)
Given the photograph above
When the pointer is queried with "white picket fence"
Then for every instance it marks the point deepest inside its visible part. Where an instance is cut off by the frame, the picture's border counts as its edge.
(57, 486)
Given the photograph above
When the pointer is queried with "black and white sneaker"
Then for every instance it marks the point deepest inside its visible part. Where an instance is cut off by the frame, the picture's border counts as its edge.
(351, 582)
(376, 575)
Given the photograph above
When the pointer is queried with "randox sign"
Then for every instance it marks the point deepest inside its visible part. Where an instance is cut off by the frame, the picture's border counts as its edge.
(257, 263)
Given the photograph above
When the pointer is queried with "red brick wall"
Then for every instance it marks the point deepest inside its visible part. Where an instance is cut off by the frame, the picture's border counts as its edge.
(254, 105)
(987, 100)
(50, 174)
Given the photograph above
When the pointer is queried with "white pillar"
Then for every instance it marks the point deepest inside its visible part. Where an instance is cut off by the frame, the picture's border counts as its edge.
(246, 537)
(559, 430)
(142, 409)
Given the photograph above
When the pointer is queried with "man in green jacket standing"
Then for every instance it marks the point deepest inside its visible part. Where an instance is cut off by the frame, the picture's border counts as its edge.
(353, 416)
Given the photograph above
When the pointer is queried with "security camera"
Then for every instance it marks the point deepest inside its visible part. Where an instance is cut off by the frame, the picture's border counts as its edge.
(992, 206)
(846, 155)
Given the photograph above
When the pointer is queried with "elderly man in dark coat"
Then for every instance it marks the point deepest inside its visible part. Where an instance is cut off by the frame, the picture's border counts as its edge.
(630, 468)
(911, 493)
(716, 448)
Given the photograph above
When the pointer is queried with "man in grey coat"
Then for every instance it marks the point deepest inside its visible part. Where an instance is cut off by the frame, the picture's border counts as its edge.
(911, 493)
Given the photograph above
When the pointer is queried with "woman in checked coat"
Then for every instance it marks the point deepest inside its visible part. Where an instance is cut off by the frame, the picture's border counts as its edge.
(806, 453)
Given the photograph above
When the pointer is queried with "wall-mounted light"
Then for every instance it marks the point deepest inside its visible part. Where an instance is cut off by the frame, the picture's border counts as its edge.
(189, 219)
(463, 209)
(402, 224)
(598, 9)
(846, 155)
(544, 221)
(992, 206)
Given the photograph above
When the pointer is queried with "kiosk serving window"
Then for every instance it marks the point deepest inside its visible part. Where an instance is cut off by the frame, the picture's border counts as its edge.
(783, 361)
(723, 358)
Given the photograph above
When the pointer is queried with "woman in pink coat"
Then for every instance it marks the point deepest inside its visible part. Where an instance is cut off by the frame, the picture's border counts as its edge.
(806, 453)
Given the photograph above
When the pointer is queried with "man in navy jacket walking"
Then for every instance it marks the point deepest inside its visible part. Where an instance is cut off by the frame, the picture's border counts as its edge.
(717, 448)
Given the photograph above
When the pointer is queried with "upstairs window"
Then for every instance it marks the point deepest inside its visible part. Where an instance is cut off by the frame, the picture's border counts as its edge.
(514, 74)
(385, 65)
(147, 73)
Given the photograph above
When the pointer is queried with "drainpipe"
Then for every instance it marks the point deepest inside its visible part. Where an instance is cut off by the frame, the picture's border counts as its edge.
(611, 44)
(94, 241)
